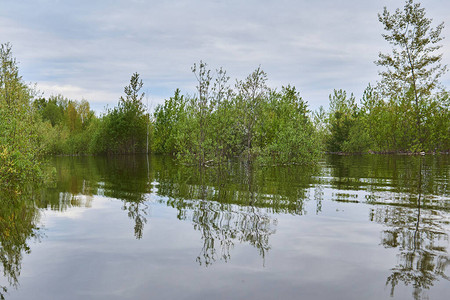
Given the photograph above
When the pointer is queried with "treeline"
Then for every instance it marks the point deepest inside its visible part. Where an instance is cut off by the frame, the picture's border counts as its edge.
(70, 127)
(217, 125)
(383, 125)
(246, 120)
(249, 121)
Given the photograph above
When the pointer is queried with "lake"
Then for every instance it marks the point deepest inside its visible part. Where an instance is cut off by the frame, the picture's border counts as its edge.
(138, 227)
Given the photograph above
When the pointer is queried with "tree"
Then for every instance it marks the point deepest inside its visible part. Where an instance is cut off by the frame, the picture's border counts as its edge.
(413, 67)
(167, 118)
(202, 106)
(251, 94)
(342, 115)
(125, 127)
(19, 148)
(285, 131)
(133, 98)
(203, 131)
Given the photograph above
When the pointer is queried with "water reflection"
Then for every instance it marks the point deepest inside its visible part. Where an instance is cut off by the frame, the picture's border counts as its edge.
(418, 234)
(80, 178)
(18, 219)
(412, 200)
(422, 243)
(233, 204)
(389, 179)
(242, 204)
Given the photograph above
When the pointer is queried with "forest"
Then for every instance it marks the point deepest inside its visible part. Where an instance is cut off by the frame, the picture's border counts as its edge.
(406, 111)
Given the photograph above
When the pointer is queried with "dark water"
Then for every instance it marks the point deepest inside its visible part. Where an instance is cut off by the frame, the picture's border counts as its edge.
(364, 227)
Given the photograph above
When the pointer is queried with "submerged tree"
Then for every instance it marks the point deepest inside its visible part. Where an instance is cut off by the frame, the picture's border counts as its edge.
(413, 67)
(252, 121)
(203, 124)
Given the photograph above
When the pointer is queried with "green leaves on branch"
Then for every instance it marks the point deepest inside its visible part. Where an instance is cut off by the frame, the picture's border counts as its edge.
(413, 64)
(251, 121)
(19, 148)
(123, 129)
(413, 68)
(408, 111)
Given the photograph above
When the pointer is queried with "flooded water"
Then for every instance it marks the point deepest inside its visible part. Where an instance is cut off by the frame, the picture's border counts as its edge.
(137, 227)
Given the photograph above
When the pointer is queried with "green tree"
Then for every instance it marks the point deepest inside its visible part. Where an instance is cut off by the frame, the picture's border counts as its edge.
(285, 131)
(413, 67)
(342, 115)
(67, 125)
(166, 125)
(200, 110)
(19, 148)
(124, 128)
(50, 110)
(373, 115)
(251, 93)
(203, 132)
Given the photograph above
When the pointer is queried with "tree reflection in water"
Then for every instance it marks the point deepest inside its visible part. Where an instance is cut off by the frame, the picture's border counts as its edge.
(239, 203)
(419, 235)
(410, 196)
(234, 204)
(18, 219)
(80, 178)
(221, 225)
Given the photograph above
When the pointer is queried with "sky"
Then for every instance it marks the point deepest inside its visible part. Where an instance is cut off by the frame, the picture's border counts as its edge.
(89, 49)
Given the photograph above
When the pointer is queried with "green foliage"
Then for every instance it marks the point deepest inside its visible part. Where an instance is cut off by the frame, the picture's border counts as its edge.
(389, 126)
(66, 125)
(413, 67)
(251, 94)
(412, 64)
(202, 134)
(320, 122)
(123, 129)
(342, 115)
(19, 149)
(219, 124)
(286, 133)
(167, 119)
(404, 113)
(51, 110)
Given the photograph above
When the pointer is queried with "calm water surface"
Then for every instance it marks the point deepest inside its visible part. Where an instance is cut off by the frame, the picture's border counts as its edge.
(359, 227)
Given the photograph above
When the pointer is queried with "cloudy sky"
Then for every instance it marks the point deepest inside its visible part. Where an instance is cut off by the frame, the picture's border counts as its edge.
(89, 49)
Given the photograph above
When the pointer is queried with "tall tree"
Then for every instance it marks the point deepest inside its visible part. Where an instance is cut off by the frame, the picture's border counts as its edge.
(413, 67)
(167, 117)
(202, 135)
(342, 115)
(202, 108)
(251, 94)
(18, 139)
(124, 127)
